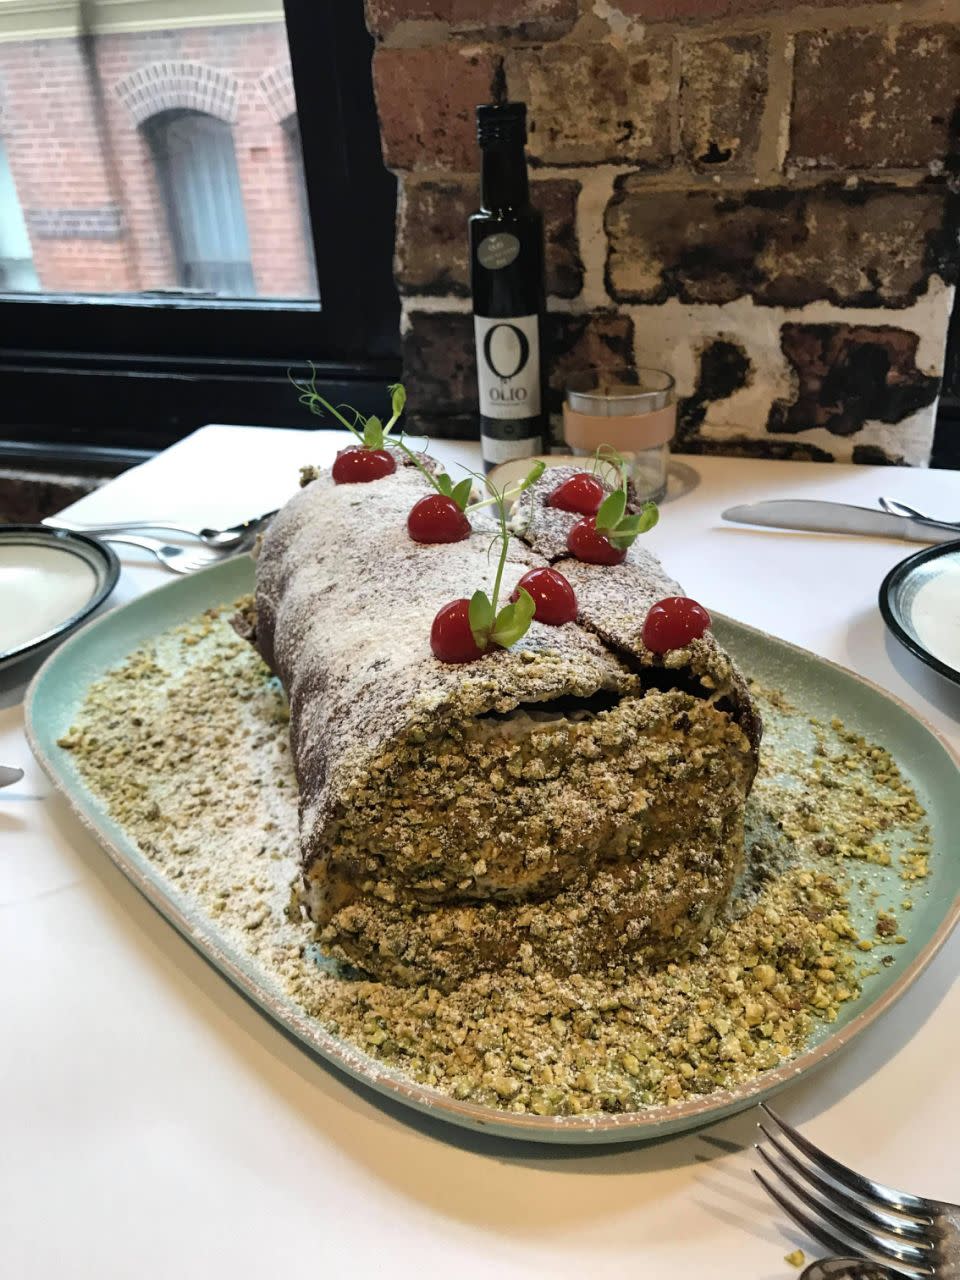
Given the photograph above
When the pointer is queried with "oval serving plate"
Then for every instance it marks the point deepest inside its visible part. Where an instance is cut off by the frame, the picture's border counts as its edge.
(822, 688)
(920, 603)
(50, 582)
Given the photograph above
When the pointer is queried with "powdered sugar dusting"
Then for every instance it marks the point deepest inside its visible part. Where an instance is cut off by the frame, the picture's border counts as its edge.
(398, 810)
(614, 601)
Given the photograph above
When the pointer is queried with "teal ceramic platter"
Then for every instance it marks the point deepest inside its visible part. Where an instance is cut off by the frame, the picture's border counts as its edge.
(819, 687)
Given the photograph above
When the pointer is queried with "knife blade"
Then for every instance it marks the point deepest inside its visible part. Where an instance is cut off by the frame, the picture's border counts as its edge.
(9, 776)
(816, 516)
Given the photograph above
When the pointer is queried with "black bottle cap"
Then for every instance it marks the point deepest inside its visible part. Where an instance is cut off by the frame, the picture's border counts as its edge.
(502, 124)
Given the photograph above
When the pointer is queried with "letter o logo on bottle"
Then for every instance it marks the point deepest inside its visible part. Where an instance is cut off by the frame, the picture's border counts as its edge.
(504, 345)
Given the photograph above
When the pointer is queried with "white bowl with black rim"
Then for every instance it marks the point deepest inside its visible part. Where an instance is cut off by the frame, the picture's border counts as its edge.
(50, 582)
(920, 603)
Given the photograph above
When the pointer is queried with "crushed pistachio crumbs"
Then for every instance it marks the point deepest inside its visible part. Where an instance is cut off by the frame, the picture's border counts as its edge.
(186, 743)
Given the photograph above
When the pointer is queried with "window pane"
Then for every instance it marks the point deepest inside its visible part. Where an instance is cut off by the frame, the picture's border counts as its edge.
(150, 153)
(197, 171)
(16, 263)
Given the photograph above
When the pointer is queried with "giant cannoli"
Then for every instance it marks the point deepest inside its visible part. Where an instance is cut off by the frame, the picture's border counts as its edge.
(557, 805)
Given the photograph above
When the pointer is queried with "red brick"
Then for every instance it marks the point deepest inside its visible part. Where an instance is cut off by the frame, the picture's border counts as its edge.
(595, 103)
(432, 254)
(743, 446)
(602, 340)
(723, 86)
(874, 99)
(530, 19)
(706, 10)
(870, 246)
(426, 99)
(846, 375)
(440, 374)
(27, 497)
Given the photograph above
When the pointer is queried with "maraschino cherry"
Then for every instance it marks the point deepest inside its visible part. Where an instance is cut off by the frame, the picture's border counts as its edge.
(552, 594)
(368, 459)
(672, 623)
(581, 494)
(603, 538)
(437, 518)
(359, 465)
(464, 630)
(451, 638)
(587, 543)
(442, 516)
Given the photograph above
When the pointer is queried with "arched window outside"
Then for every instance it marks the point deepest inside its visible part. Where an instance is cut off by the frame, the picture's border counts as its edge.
(17, 272)
(197, 170)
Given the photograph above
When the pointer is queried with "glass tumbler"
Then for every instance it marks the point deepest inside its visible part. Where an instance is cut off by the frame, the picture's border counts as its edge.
(633, 411)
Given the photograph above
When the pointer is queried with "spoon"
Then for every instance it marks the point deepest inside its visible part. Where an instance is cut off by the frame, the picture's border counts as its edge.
(221, 539)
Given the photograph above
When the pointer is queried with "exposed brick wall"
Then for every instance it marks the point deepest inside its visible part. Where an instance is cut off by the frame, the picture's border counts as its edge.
(27, 497)
(83, 167)
(751, 193)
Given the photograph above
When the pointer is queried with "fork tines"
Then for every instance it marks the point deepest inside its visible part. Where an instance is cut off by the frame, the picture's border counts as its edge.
(845, 1208)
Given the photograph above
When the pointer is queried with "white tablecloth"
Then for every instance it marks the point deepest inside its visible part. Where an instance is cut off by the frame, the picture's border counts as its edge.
(153, 1125)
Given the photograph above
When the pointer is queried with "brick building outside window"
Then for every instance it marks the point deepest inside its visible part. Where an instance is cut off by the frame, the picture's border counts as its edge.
(145, 150)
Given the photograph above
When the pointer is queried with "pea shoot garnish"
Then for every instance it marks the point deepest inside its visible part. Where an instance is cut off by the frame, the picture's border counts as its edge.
(464, 630)
(603, 538)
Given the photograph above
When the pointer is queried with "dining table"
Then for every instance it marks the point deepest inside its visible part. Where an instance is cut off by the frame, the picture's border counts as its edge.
(154, 1125)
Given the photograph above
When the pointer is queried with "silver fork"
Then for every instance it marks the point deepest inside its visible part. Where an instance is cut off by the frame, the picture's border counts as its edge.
(901, 509)
(176, 559)
(850, 1213)
(220, 539)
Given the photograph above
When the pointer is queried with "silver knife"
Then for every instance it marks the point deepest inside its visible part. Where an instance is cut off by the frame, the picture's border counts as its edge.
(838, 517)
(9, 776)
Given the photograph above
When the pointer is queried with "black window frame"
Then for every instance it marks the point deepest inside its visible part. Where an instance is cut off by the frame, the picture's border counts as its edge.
(139, 371)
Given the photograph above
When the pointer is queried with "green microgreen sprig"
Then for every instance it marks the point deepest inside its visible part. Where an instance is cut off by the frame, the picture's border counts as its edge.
(371, 431)
(507, 495)
(460, 492)
(506, 627)
(611, 519)
(440, 481)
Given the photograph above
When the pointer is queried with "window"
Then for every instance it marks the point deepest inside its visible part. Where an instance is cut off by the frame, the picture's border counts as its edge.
(16, 258)
(183, 258)
(158, 164)
(197, 170)
(291, 127)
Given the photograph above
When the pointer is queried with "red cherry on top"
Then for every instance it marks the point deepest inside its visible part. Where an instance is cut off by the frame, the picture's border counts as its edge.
(672, 623)
(437, 519)
(450, 636)
(582, 493)
(586, 542)
(359, 465)
(552, 594)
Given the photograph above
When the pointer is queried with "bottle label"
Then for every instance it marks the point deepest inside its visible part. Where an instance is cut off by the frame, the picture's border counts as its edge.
(508, 366)
(498, 251)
